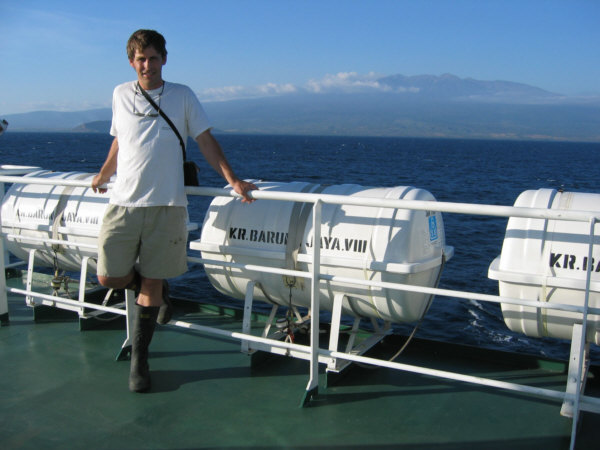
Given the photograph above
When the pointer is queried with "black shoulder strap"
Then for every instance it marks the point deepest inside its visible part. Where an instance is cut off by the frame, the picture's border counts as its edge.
(161, 112)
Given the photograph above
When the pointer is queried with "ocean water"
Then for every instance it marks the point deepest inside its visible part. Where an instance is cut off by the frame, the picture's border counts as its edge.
(472, 171)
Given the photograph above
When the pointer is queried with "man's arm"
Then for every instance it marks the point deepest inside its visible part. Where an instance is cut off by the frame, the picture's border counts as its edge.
(108, 168)
(214, 155)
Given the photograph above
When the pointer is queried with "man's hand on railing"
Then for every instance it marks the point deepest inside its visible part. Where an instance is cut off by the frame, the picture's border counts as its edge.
(99, 183)
(242, 188)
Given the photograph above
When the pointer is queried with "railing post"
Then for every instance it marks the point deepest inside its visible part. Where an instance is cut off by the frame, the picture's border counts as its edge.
(581, 357)
(3, 250)
(82, 283)
(129, 305)
(3, 293)
(312, 388)
(334, 330)
(247, 321)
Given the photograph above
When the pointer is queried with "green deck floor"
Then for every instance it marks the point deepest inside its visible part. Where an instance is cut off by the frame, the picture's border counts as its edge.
(62, 388)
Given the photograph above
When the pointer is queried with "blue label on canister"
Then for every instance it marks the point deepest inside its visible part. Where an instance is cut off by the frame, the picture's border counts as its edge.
(433, 232)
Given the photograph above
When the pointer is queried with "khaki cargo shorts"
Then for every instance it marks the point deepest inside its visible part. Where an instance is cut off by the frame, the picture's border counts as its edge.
(153, 236)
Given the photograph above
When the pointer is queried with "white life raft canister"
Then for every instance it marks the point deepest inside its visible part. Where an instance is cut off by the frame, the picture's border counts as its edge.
(43, 212)
(547, 261)
(358, 242)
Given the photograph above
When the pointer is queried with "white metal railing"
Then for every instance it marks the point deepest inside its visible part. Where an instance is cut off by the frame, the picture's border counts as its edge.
(577, 371)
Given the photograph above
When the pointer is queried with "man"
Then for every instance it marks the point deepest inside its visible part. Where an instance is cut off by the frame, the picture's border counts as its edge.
(145, 222)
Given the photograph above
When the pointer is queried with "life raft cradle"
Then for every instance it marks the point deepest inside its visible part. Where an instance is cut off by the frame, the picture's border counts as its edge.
(573, 399)
(85, 310)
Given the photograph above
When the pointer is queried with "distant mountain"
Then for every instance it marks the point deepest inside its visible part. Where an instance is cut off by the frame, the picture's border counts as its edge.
(396, 115)
(451, 87)
(98, 126)
(56, 120)
(397, 105)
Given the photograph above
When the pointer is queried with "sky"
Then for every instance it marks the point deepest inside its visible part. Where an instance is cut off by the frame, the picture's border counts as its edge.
(64, 55)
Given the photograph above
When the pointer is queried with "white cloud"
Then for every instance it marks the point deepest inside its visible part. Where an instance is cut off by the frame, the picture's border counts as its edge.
(346, 82)
(241, 92)
(341, 82)
(277, 89)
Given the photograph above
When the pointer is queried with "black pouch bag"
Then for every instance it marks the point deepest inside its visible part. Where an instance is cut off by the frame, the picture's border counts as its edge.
(190, 173)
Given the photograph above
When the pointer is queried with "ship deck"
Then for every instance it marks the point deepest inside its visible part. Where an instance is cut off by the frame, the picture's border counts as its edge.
(62, 387)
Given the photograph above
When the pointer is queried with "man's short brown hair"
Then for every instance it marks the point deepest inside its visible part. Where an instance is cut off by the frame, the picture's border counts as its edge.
(146, 38)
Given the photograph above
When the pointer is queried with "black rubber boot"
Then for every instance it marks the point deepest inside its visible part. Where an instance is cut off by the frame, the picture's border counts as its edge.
(166, 309)
(144, 321)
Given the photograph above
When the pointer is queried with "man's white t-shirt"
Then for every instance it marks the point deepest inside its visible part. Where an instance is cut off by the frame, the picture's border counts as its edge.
(150, 160)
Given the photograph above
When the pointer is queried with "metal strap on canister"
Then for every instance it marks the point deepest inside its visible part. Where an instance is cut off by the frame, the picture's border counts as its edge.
(59, 210)
(298, 220)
